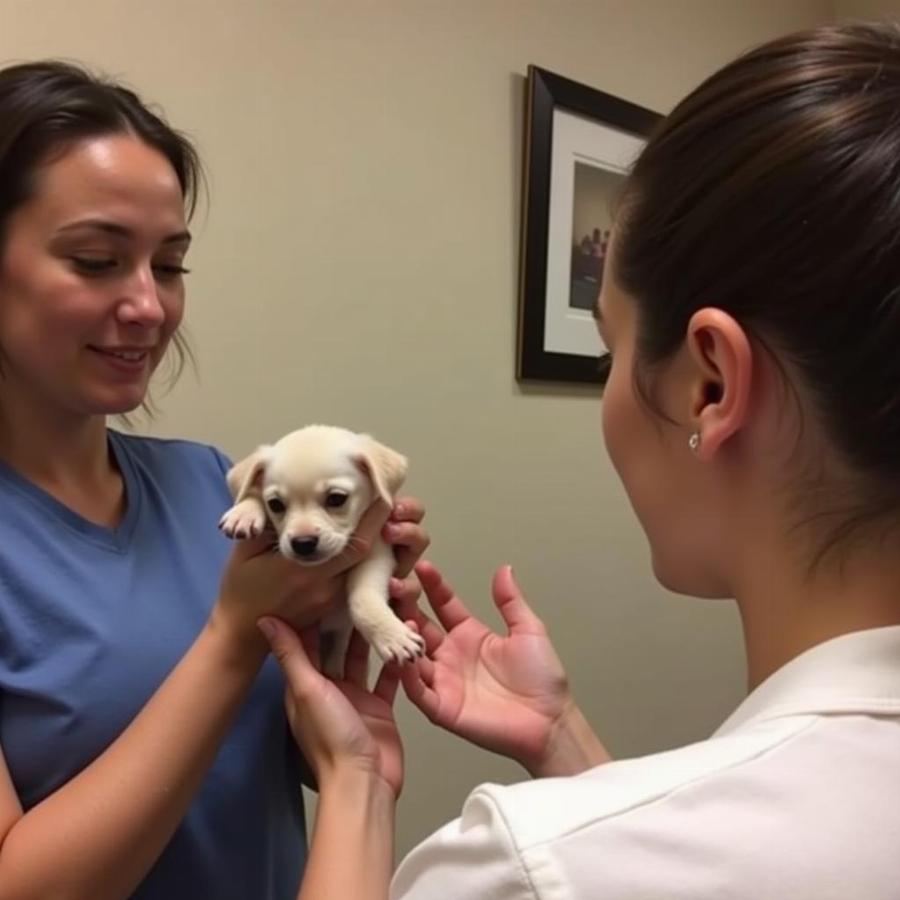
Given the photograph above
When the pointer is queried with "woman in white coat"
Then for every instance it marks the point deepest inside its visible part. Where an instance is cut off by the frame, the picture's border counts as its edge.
(752, 309)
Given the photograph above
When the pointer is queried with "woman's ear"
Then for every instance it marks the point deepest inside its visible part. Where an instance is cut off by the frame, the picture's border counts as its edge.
(723, 356)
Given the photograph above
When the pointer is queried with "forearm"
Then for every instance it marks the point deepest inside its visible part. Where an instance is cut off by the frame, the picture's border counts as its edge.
(352, 852)
(573, 748)
(98, 835)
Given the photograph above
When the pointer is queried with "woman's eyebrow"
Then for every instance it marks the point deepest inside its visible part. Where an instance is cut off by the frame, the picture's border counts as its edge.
(117, 230)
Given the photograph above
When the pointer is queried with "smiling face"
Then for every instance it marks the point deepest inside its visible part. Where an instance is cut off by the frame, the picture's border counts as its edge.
(91, 287)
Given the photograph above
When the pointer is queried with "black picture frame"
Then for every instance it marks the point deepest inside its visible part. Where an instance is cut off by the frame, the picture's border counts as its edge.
(548, 92)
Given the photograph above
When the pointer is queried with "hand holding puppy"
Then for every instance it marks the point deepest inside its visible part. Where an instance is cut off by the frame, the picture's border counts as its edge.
(259, 582)
(341, 726)
(312, 489)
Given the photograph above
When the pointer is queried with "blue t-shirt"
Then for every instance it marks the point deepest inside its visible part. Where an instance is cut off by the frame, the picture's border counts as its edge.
(92, 620)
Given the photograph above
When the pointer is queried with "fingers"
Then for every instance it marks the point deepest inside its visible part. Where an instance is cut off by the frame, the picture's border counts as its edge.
(404, 533)
(408, 537)
(373, 520)
(404, 591)
(417, 685)
(407, 610)
(256, 546)
(386, 685)
(288, 649)
(407, 509)
(409, 541)
(513, 606)
(448, 608)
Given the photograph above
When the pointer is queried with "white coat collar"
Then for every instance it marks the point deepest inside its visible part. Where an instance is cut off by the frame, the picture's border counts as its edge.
(854, 673)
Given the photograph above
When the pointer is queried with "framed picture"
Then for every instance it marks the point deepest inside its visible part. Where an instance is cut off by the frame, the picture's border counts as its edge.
(580, 143)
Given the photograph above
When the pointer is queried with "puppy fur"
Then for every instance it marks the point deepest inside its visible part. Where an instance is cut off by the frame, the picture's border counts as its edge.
(313, 486)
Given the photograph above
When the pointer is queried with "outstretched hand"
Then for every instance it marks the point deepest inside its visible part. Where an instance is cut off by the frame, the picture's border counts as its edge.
(339, 725)
(506, 693)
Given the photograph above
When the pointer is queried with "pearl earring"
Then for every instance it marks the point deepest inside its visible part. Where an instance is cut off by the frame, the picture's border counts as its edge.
(694, 441)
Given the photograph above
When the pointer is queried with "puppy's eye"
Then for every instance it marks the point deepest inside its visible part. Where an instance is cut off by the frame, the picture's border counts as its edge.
(276, 505)
(335, 499)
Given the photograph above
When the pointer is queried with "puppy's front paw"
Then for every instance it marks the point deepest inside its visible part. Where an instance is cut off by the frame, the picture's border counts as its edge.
(397, 642)
(246, 519)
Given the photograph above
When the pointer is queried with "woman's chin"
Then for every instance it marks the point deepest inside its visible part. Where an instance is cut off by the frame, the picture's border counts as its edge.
(116, 403)
(689, 580)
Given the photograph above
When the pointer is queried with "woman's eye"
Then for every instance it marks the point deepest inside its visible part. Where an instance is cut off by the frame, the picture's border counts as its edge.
(93, 265)
(100, 265)
(276, 505)
(166, 272)
(335, 499)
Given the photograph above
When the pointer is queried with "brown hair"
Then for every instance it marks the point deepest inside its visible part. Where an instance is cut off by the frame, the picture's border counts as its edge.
(46, 106)
(773, 192)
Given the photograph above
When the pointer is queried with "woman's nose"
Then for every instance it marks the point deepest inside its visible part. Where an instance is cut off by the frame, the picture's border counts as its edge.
(140, 302)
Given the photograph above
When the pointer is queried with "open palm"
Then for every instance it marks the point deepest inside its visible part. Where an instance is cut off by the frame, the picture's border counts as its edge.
(502, 692)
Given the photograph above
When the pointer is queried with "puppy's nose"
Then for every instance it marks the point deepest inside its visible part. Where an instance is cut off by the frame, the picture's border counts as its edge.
(304, 546)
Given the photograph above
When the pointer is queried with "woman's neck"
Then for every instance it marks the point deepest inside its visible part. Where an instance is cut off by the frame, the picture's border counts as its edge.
(65, 455)
(787, 607)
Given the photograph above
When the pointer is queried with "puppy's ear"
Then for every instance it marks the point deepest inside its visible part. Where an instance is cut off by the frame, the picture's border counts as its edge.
(245, 476)
(386, 468)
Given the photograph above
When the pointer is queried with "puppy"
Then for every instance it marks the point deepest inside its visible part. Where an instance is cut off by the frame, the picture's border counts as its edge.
(313, 486)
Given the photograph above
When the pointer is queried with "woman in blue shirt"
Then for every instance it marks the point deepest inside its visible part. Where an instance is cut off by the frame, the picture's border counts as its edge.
(143, 744)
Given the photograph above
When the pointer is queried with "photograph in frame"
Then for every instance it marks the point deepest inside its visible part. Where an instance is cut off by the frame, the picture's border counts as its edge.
(580, 144)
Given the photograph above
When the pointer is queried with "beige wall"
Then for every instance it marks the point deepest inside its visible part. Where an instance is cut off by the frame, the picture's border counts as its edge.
(867, 9)
(358, 266)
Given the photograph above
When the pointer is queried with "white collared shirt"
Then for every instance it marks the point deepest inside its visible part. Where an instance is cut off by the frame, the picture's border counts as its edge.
(796, 796)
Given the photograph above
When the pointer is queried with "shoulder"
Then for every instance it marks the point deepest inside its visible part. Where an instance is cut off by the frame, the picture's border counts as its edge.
(742, 815)
(605, 795)
(183, 475)
(170, 453)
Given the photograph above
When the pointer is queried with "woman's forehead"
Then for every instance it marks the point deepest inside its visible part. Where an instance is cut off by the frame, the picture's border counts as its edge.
(114, 175)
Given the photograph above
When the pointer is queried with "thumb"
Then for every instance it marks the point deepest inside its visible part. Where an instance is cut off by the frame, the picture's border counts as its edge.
(250, 547)
(373, 520)
(513, 606)
(288, 650)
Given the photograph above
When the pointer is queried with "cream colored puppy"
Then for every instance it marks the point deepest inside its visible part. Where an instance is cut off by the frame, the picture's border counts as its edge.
(314, 485)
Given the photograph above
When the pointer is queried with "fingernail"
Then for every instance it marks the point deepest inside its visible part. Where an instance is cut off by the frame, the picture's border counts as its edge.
(267, 627)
